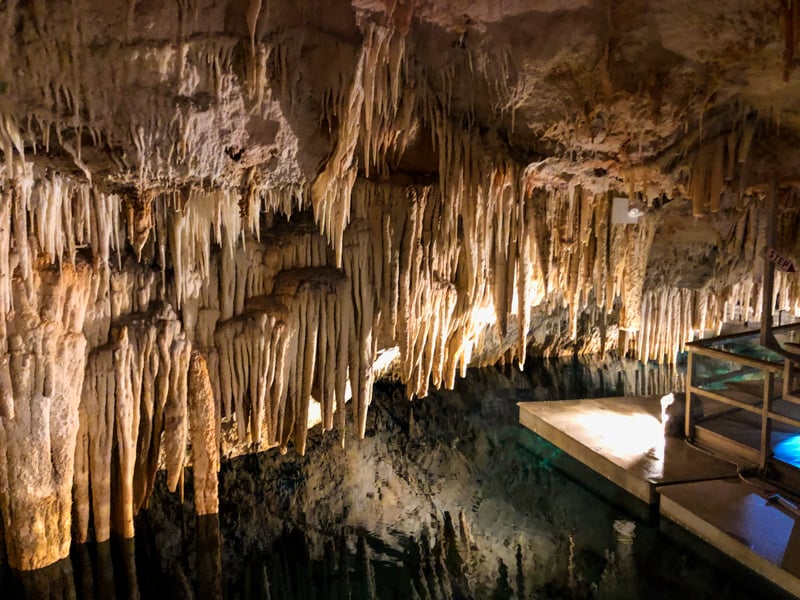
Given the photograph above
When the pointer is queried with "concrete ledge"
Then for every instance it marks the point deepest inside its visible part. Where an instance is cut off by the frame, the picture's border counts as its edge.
(587, 478)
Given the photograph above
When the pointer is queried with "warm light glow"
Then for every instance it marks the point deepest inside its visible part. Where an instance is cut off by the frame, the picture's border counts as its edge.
(314, 413)
(483, 315)
(628, 437)
(384, 359)
(666, 402)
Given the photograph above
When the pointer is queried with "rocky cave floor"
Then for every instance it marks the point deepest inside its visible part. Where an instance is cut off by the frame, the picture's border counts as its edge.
(439, 501)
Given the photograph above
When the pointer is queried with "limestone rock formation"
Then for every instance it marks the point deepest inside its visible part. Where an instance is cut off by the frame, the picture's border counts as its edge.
(216, 214)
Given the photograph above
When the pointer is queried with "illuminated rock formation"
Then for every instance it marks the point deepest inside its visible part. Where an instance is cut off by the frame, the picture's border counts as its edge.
(216, 215)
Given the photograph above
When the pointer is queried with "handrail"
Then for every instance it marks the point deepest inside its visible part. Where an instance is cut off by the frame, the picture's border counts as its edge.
(753, 408)
(740, 334)
(784, 419)
(758, 363)
(769, 370)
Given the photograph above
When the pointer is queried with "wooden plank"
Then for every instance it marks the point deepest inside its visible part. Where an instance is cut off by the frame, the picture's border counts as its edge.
(643, 490)
(725, 446)
(784, 419)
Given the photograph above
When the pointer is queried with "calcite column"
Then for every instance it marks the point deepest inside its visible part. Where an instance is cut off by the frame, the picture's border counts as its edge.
(42, 358)
(205, 446)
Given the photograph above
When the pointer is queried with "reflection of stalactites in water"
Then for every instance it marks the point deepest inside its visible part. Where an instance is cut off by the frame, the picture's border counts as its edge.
(82, 566)
(619, 575)
(209, 558)
(128, 580)
(104, 571)
(54, 581)
(452, 557)
(571, 583)
(502, 586)
(365, 574)
(292, 569)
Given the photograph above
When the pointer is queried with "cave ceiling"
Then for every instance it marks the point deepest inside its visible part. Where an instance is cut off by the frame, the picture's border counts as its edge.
(148, 94)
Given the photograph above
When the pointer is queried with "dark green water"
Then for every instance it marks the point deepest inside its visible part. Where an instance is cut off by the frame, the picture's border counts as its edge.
(444, 499)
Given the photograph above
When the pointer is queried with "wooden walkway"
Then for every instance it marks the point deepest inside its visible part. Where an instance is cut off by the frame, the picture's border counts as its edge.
(623, 440)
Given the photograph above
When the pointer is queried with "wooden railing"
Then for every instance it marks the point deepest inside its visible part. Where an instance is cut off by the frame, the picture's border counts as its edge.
(785, 368)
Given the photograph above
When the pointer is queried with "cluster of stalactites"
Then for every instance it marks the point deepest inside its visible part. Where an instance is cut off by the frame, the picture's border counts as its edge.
(214, 314)
(134, 389)
(443, 278)
(73, 85)
(673, 316)
(718, 163)
(374, 110)
(52, 218)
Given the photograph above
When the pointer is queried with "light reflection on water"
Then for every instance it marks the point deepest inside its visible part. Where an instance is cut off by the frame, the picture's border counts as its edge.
(587, 548)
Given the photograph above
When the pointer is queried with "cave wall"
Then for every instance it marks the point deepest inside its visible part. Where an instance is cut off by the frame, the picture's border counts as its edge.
(216, 216)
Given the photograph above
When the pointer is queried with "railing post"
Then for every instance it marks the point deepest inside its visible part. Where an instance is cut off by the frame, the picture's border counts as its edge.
(768, 283)
(688, 417)
(766, 421)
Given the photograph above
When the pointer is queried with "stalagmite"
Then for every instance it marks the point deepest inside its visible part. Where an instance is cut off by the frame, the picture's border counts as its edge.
(205, 444)
(38, 443)
(126, 428)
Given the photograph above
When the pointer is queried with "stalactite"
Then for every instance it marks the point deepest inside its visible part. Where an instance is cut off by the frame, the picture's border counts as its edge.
(126, 420)
(699, 186)
(176, 424)
(638, 241)
(330, 193)
(135, 387)
(98, 402)
(360, 271)
(253, 352)
(716, 175)
(320, 306)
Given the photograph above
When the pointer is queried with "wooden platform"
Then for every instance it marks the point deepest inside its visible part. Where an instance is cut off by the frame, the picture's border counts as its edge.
(737, 518)
(622, 439)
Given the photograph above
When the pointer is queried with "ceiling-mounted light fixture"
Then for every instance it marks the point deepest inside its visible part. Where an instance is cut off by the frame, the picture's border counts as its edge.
(624, 212)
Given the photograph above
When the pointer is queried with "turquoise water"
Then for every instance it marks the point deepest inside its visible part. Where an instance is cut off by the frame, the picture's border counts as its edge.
(749, 347)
